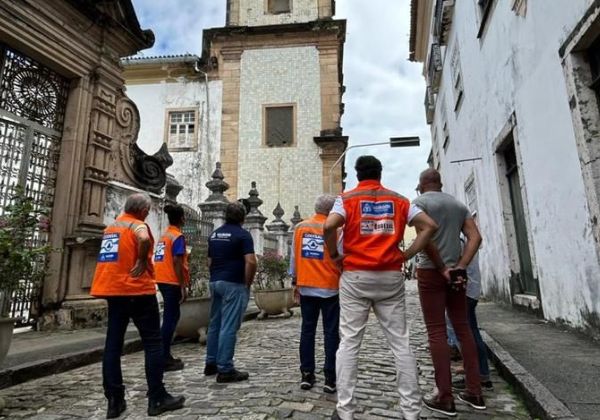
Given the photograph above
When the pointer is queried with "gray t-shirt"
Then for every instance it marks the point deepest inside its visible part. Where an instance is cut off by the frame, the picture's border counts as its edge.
(450, 215)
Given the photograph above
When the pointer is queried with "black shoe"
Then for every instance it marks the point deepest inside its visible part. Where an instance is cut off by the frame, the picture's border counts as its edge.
(308, 380)
(461, 385)
(434, 404)
(329, 386)
(116, 405)
(210, 369)
(173, 364)
(335, 416)
(165, 403)
(475, 401)
(233, 376)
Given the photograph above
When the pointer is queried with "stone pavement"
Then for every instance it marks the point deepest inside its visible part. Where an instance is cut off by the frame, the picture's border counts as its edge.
(268, 350)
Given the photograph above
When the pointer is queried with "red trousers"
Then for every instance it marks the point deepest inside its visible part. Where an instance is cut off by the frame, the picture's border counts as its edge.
(436, 298)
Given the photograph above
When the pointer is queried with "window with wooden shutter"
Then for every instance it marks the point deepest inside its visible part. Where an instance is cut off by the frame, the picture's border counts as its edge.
(182, 130)
(279, 130)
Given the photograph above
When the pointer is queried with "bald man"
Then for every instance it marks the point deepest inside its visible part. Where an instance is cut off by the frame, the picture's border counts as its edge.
(438, 295)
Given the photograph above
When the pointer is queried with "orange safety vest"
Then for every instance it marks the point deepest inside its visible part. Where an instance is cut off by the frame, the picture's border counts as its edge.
(375, 222)
(163, 258)
(118, 254)
(314, 267)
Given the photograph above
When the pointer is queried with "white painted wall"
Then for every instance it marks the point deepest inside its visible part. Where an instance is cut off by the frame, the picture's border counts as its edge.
(515, 67)
(193, 168)
(273, 76)
(253, 13)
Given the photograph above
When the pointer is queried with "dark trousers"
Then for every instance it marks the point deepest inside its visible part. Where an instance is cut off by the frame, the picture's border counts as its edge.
(171, 294)
(437, 298)
(484, 367)
(143, 310)
(330, 310)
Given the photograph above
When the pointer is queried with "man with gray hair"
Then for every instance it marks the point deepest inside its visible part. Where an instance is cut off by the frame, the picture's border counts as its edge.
(125, 278)
(316, 282)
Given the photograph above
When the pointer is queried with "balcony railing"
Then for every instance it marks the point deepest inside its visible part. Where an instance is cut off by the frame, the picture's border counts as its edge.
(434, 67)
(444, 10)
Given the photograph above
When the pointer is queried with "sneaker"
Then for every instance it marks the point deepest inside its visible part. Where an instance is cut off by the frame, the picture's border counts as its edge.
(487, 385)
(329, 386)
(233, 376)
(308, 380)
(461, 385)
(475, 401)
(165, 403)
(433, 404)
(173, 364)
(116, 405)
(210, 369)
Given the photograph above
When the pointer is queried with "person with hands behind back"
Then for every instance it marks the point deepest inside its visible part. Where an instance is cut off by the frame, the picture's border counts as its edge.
(125, 278)
(441, 275)
(173, 278)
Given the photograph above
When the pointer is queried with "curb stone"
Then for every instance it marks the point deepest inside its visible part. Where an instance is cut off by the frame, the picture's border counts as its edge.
(538, 399)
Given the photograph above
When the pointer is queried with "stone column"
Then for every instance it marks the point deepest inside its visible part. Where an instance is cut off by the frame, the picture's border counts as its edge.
(255, 220)
(280, 230)
(213, 209)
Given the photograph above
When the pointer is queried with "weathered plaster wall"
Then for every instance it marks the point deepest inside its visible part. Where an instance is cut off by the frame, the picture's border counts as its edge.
(515, 68)
(254, 13)
(281, 76)
(191, 168)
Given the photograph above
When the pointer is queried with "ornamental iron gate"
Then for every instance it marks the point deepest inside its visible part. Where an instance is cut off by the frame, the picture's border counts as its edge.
(32, 107)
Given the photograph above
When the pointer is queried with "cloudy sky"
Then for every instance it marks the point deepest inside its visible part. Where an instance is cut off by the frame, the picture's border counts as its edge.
(384, 92)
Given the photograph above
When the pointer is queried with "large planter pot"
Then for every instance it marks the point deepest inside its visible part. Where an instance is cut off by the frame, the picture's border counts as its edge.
(274, 302)
(195, 314)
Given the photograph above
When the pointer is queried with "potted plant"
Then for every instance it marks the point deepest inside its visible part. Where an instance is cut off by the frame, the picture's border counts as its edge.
(272, 289)
(21, 259)
(195, 311)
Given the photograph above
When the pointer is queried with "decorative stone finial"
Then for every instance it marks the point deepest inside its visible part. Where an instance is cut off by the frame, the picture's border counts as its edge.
(254, 201)
(278, 225)
(217, 186)
(173, 188)
(296, 218)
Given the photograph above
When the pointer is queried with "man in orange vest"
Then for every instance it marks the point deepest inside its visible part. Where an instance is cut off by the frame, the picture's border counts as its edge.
(316, 281)
(373, 220)
(172, 278)
(125, 278)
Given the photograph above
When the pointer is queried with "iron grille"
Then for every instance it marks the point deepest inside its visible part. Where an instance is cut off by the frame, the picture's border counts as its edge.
(32, 105)
(32, 91)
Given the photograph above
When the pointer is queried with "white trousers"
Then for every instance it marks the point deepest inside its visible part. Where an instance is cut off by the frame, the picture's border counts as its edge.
(384, 292)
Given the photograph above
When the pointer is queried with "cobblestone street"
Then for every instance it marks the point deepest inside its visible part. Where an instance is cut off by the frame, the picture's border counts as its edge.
(268, 350)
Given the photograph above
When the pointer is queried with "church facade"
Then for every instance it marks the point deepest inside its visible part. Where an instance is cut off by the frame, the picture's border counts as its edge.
(264, 98)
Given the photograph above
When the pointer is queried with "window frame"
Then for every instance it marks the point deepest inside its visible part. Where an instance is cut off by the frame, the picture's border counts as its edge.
(484, 15)
(265, 108)
(193, 144)
(594, 61)
(457, 78)
(269, 9)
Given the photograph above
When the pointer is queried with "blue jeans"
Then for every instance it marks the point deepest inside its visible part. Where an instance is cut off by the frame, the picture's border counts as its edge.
(228, 304)
(484, 367)
(143, 310)
(171, 294)
(330, 309)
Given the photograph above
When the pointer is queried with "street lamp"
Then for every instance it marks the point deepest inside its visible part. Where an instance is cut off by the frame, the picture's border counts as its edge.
(393, 142)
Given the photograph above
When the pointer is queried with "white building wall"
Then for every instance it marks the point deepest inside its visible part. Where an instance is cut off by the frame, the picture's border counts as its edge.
(291, 175)
(254, 13)
(515, 67)
(191, 168)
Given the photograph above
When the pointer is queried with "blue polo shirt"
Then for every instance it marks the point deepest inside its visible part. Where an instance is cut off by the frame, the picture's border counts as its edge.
(227, 247)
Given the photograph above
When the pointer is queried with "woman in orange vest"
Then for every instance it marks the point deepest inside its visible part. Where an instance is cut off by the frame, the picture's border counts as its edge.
(172, 277)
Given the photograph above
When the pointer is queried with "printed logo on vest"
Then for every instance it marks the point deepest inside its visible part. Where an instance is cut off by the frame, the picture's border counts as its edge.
(159, 255)
(377, 227)
(109, 249)
(312, 246)
(378, 209)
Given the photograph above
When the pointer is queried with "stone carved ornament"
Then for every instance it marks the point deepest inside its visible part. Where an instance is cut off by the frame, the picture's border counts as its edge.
(144, 171)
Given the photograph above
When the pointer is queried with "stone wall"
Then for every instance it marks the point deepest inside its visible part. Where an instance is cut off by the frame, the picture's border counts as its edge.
(254, 13)
(281, 76)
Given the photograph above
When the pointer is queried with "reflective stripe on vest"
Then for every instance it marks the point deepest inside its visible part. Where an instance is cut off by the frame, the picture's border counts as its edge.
(118, 255)
(314, 267)
(374, 226)
(163, 259)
